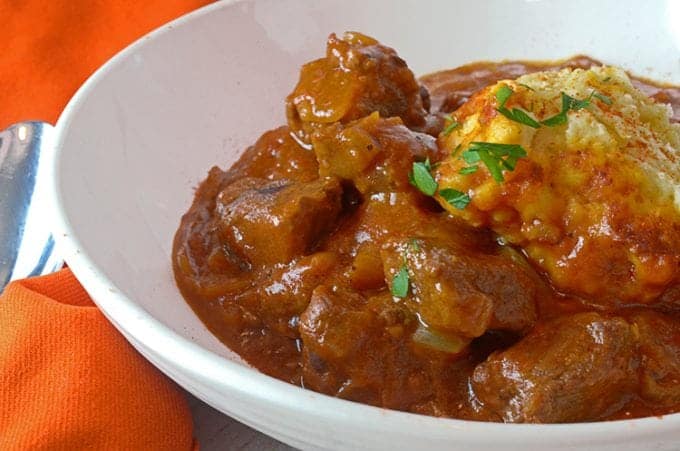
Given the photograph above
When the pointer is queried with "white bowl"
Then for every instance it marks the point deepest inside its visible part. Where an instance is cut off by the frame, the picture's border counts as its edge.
(144, 130)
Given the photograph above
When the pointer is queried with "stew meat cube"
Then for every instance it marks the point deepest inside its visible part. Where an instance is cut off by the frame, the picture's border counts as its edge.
(273, 222)
(462, 293)
(576, 368)
(357, 77)
(660, 350)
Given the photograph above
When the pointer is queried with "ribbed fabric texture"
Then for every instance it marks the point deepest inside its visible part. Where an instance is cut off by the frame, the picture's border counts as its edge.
(70, 381)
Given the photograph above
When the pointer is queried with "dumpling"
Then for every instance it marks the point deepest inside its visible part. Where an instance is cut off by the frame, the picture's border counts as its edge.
(578, 168)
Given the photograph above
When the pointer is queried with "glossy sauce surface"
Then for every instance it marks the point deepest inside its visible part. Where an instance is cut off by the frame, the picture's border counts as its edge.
(288, 256)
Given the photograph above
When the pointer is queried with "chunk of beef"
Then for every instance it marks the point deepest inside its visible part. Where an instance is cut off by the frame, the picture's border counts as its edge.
(384, 217)
(670, 299)
(273, 222)
(282, 296)
(660, 349)
(357, 77)
(275, 156)
(460, 292)
(335, 325)
(357, 348)
(202, 267)
(376, 154)
(575, 368)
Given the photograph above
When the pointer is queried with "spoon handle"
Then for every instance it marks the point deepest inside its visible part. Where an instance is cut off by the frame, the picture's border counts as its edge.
(26, 243)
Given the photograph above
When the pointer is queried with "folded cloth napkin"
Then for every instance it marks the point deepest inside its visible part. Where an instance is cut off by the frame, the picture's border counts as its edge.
(68, 379)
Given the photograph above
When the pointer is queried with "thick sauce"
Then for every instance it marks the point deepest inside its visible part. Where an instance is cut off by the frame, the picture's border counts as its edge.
(287, 257)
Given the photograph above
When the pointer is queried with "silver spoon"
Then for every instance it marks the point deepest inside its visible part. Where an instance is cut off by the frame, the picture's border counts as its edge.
(26, 243)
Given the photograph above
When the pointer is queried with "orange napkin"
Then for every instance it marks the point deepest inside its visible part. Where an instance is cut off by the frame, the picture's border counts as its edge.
(68, 379)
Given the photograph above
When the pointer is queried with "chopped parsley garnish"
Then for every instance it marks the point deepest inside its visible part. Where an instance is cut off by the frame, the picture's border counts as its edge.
(602, 97)
(520, 116)
(400, 282)
(421, 177)
(570, 103)
(452, 125)
(527, 86)
(455, 198)
(517, 115)
(503, 94)
(496, 157)
(468, 170)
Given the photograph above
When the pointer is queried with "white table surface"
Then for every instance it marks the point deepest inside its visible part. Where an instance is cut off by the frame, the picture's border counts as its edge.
(216, 431)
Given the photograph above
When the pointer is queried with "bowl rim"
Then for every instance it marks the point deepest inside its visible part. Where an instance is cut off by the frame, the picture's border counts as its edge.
(135, 322)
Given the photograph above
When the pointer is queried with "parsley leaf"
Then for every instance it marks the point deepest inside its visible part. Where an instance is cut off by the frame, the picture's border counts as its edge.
(520, 116)
(468, 170)
(421, 178)
(570, 103)
(456, 198)
(450, 127)
(492, 164)
(558, 119)
(602, 97)
(517, 115)
(470, 156)
(495, 156)
(400, 282)
(503, 94)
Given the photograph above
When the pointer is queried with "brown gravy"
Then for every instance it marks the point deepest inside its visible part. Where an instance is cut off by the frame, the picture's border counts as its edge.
(309, 304)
